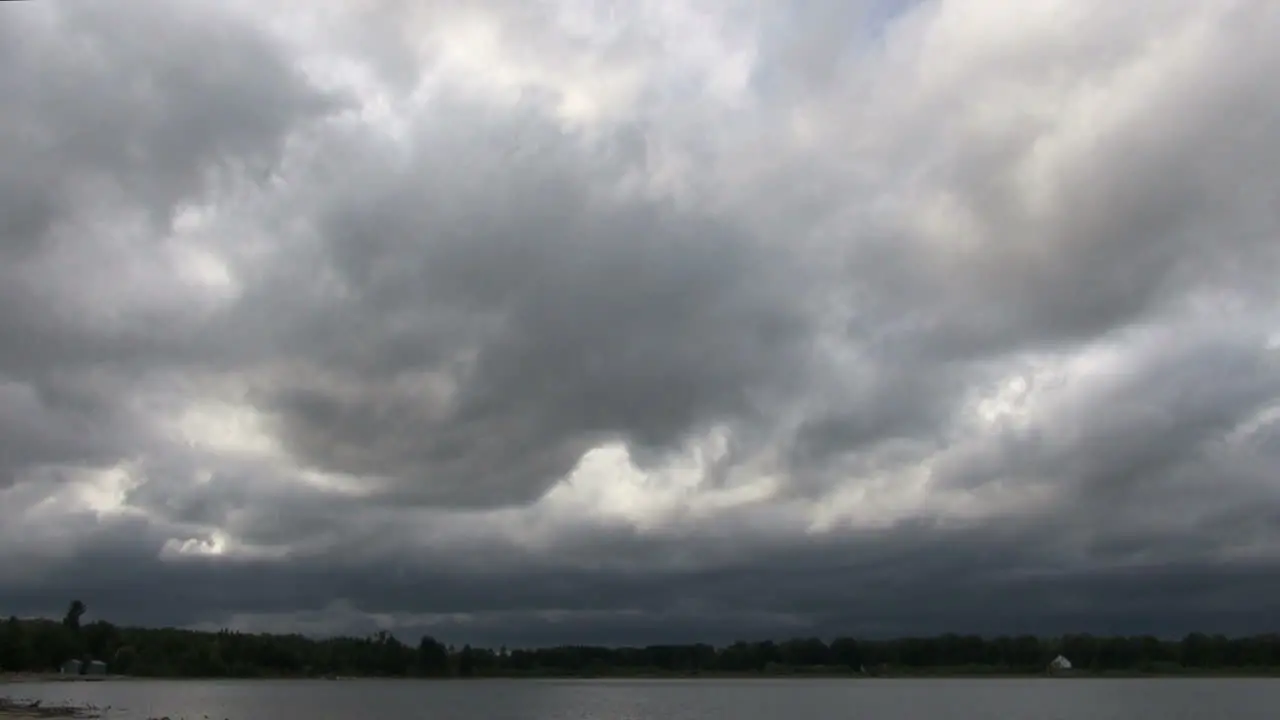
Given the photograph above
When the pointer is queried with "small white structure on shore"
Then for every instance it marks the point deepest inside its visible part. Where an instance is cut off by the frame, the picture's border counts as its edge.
(1059, 664)
(70, 667)
(95, 667)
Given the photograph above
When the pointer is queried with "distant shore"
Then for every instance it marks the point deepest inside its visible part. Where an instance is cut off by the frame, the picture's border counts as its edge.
(894, 674)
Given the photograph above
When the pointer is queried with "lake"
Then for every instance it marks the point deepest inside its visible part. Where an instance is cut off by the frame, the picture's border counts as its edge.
(764, 699)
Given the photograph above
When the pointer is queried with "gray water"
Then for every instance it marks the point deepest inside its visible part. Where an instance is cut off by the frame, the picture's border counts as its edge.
(957, 699)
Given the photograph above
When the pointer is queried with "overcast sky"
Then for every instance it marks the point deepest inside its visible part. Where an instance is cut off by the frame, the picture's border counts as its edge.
(642, 321)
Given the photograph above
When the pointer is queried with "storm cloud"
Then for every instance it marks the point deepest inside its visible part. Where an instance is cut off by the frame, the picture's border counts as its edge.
(607, 322)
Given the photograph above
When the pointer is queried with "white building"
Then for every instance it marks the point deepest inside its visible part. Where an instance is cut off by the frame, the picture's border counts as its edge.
(1059, 664)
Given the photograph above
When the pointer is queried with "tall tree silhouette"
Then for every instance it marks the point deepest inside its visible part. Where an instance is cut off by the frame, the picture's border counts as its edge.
(74, 613)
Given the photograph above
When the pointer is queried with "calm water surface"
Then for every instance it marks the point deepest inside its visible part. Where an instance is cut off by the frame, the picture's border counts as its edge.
(957, 699)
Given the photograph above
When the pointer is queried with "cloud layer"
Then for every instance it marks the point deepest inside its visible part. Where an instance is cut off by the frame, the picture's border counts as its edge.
(598, 322)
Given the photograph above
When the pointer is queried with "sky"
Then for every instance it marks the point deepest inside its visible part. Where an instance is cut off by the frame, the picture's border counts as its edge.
(572, 321)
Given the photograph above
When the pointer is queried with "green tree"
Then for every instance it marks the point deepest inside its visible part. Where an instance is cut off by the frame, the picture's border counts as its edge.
(845, 651)
(466, 662)
(432, 658)
(14, 651)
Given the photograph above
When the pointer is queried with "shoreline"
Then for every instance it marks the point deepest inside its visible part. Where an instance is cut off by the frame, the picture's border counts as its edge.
(45, 678)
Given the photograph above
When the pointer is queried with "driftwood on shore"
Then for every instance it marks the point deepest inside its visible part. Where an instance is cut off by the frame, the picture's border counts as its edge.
(17, 709)
(11, 708)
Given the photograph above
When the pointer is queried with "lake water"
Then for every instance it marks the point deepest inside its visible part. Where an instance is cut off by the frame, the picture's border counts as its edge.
(900, 699)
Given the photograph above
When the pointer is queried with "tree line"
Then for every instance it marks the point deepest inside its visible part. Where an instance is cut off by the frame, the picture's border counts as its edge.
(41, 645)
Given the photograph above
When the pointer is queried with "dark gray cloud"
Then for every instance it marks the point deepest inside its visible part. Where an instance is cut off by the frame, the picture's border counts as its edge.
(556, 318)
(865, 584)
(114, 121)
(573, 324)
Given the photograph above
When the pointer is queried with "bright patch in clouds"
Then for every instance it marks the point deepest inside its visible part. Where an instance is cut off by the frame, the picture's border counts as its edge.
(227, 429)
(607, 484)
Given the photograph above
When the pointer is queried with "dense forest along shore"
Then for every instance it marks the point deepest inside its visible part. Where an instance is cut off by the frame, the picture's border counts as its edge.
(36, 649)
